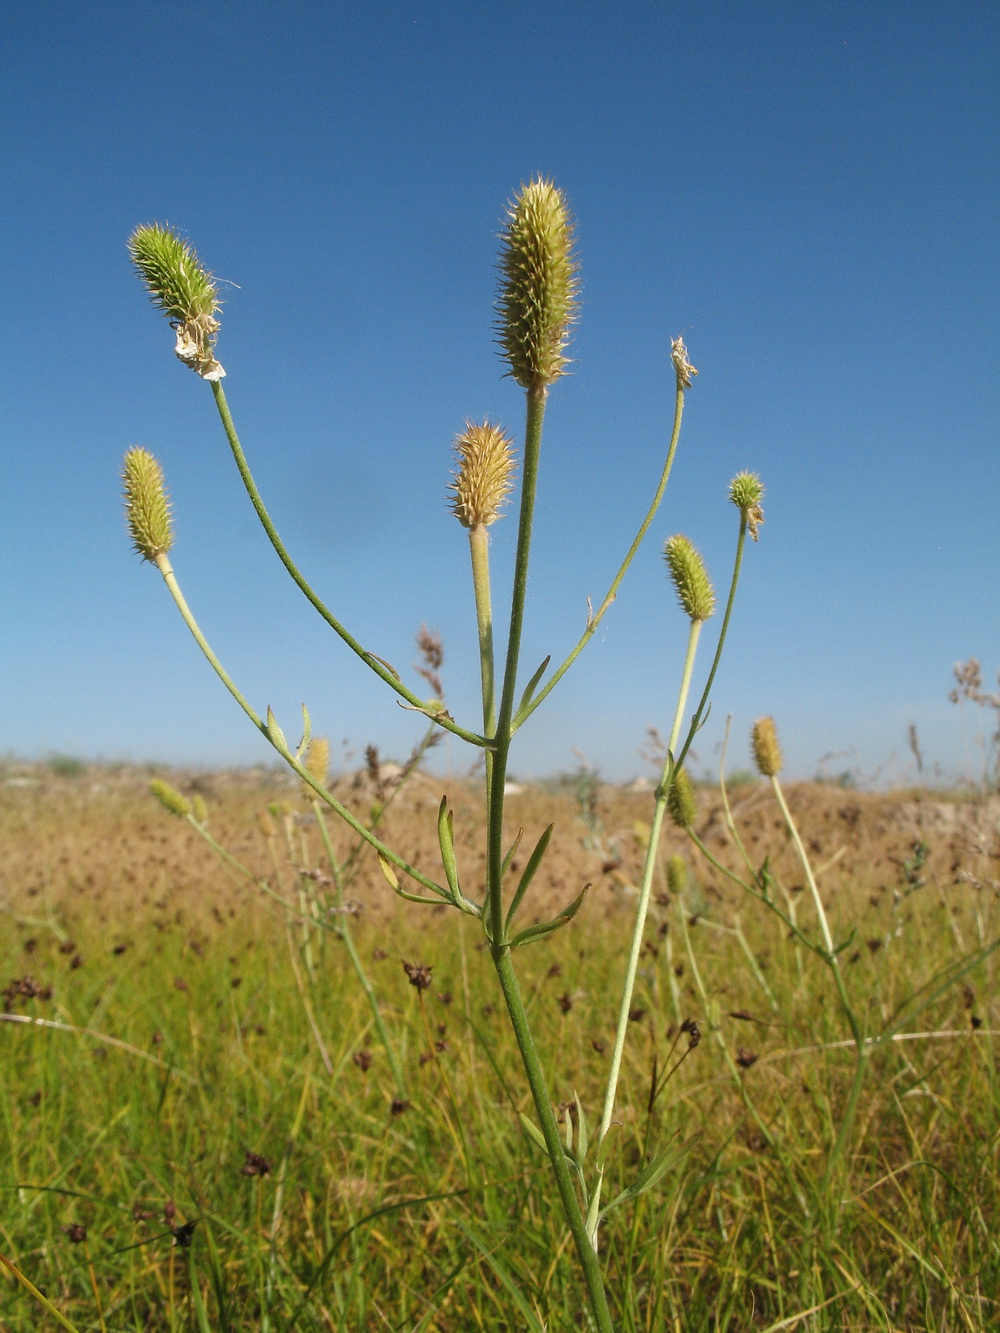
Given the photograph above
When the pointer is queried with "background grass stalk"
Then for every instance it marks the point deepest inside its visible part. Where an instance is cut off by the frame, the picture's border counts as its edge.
(163, 564)
(369, 659)
(343, 932)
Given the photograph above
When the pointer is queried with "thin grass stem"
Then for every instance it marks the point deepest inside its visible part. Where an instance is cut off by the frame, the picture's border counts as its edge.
(374, 663)
(594, 620)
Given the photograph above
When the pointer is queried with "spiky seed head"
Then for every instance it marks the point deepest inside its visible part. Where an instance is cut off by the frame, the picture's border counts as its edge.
(746, 490)
(318, 761)
(484, 479)
(538, 285)
(147, 506)
(677, 874)
(184, 290)
(766, 750)
(199, 809)
(680, 800)
(687, 569)
(683, 368)
(170, 798)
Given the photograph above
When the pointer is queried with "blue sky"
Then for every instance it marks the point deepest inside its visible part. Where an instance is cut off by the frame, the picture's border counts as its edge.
(808, 191)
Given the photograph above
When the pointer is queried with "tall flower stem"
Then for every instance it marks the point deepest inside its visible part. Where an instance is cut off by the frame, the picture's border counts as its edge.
(534, 418)
(493, 909)
(370, 660)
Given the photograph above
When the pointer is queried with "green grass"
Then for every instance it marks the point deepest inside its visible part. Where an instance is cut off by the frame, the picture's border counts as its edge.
(443, 1216)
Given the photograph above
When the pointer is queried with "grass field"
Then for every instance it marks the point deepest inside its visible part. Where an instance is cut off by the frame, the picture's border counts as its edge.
(208, 1135)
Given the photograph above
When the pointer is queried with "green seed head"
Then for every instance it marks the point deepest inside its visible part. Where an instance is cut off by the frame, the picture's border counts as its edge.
(766, 750)
(746, 490)
(677, 874)
(170, 798)
(147, 506)
(680, 800)
(694, 588)
(538, 285)
(485, 474)
(184, 290)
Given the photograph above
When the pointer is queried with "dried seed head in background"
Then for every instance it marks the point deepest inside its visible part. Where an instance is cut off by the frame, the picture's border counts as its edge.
(170, 798)
(317, 761)
(765, 747)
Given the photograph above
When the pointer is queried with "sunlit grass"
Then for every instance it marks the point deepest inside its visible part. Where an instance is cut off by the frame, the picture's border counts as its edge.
(442, 1214)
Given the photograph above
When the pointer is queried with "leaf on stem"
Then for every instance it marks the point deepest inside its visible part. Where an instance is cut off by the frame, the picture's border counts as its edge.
(544, 928)
(532, 685)
(528, 874)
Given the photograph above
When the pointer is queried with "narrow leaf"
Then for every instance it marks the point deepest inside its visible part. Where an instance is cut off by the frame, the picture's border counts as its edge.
(648, 1176)
(510, 855)
(581, 1130)
(534, 861)
(531, 686)
(307, 732)
(544, 928)
(446, 841)
(274, 733)
(534, 1133)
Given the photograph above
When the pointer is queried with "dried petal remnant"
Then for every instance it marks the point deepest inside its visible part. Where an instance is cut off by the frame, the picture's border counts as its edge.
(184, 290)
(746, 490)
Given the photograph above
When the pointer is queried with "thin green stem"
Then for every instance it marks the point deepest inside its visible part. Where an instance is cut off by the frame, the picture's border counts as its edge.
(374, 663)
(642, 911)
(534, 418)
(697, 717)
(479, 549)
(594, 620)
(163, 564)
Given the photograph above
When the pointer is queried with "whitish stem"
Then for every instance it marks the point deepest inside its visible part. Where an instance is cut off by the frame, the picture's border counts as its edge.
(480, 552)
(817, 900)
(645, 892)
